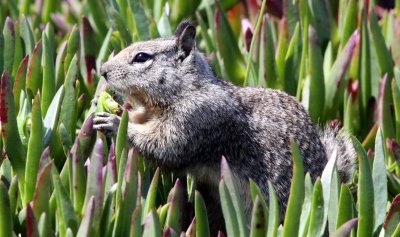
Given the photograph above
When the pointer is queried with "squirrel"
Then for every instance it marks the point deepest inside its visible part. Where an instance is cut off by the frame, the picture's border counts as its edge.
(187, 119)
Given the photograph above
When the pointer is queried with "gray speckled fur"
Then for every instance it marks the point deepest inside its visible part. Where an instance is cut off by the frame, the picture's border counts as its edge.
(188, 119)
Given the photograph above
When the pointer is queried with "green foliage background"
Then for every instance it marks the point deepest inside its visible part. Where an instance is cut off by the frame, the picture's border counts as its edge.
(59, 177)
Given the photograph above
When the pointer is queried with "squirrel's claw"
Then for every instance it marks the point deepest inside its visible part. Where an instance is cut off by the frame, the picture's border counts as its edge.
(106, 123)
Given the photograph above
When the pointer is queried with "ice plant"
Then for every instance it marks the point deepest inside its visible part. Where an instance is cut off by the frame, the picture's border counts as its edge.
(59, 177)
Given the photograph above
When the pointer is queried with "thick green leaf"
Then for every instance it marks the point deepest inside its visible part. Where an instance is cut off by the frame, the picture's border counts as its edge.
(1, 51)
(162, 213)
(291, 15)
(345, 212)
(27, 36)
(396, 102)
(35, 148)
(383, 54)
(380, 181)
(293, 211)
(120, 176)
(49, 80)
(44, 225)
(87, 224)
(182, 8)
(72, 49)
(228, 210)
(18, 48)
(20, 81)
(384, 108)
(273, 215)
(78, 176)
(305, 213)
(129, 191)
(40, 201)
(52, 115)
(89, 53)
(122, 27)
(104, 50)
(106, 219)
(49, 7)
(292, 62)
(315, 103)
(94, 187)
(136, 222)
(34, 75)
(365, 67)
(202, 227)
(98, 12)
(365, 193)
(345, 229)
(334, 83)
(234, 193)
(151, 195)
(9, 131)
(9, 45)
(121, 140)
(68, 107)
(6, 226)
(258, 219)
(320, 19)
(152, 225)
(252, 45)
(60, 61)
(141, 24)
(349, 24)
(65, 211)
(267, 56)
(13, 194)
(227, 45)
(174, 215)
(317, 221)
(281, 52)
(393, 217)
(329, 184)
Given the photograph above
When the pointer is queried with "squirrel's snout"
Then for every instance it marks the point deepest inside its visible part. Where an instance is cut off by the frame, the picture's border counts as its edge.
(103, 70)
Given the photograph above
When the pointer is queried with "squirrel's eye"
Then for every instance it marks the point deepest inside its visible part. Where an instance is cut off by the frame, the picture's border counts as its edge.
(141, 57)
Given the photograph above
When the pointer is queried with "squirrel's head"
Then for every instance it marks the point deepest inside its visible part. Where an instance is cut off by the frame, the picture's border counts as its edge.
(158, 71)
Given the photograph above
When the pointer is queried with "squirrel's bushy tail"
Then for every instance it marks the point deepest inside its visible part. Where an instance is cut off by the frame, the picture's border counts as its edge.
(333, 140)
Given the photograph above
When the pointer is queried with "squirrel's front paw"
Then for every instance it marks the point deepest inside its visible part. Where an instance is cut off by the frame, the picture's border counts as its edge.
(106, 123)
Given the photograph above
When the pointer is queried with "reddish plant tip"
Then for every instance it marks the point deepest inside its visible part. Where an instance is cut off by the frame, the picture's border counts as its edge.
(3, 102)
(216, 18)
(10, 25)
(220, 234)
(178, 183)
(392, 210)
(248, 35)
(167, 232)
(353, 88)
(87, 128)
(393, 148)
(382, 85)
(90, 61)
(98, 147)
(30, 221)
(370, 152)
(21, 67)
(334, 123)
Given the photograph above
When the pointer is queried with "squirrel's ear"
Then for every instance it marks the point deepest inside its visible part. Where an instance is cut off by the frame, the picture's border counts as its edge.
(185, 34)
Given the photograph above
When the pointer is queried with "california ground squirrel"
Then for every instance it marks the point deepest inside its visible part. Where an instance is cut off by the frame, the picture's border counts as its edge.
(188, 119)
